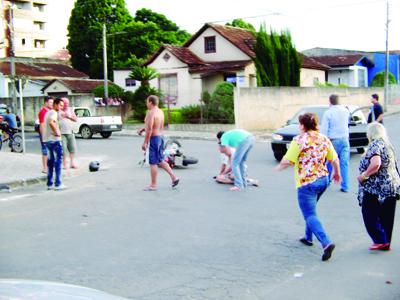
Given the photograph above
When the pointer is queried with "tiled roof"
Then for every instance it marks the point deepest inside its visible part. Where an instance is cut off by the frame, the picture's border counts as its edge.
(79, 85)
(339, 60)
(224, 66)
(241, 38)
(310, 63)
(41, 70)
(182, 53)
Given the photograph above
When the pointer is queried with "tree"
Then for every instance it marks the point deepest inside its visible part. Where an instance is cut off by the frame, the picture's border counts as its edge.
(85, 31)
(143, 74)
(242, 24)
(277, 60)
(220, 109)
(379, 79)
(265, 60)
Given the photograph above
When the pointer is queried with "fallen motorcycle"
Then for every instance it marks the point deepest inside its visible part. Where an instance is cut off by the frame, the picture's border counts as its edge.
(174, 156)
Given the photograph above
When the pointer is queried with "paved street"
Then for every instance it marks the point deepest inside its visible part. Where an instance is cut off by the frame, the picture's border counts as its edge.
(199, 241)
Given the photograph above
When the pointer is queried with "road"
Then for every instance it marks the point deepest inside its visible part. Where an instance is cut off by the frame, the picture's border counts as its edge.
(199, 241)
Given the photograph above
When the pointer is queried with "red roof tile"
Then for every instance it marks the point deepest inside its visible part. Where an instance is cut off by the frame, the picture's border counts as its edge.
(79, 85)
(310, 63)
(224, 66)
(41, 70)
(182, 53)
(339, 60)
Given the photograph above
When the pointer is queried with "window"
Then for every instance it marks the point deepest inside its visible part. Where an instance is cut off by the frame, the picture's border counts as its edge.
(361, 77)
(38, 7)
(169, 87)
(130, 82)
(316, 81)
(23, 42)
(209, 44)
(40, 43)
(38, 25)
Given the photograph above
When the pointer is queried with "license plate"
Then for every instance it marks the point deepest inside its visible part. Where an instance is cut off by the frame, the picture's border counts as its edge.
(113, 126)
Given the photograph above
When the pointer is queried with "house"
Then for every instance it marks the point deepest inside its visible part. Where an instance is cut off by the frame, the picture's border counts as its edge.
(35, 75)
(121, 78)
(215, 53)
(71, 87)
(375, 62)
(350, 70)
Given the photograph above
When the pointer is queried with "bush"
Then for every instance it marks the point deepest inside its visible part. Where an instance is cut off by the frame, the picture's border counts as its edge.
(220, 108)
(191, 114)
(379, 79)
(175, 114)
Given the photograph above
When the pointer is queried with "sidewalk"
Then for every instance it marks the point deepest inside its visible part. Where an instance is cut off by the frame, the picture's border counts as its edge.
(20, 170)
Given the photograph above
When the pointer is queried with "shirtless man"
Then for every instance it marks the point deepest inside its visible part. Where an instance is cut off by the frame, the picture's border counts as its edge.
(154, 125)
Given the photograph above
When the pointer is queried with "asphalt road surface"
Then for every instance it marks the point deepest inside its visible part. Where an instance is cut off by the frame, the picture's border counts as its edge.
(199, 241)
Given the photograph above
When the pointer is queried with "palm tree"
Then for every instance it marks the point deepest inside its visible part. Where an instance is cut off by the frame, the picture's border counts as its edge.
(143, 74)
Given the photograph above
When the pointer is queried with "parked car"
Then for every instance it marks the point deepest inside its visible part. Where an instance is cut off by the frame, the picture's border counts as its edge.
(87, 124)
(47, 290)
(282, 137)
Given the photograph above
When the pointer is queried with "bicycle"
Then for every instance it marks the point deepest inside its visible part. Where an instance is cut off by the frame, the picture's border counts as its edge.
(11, 136)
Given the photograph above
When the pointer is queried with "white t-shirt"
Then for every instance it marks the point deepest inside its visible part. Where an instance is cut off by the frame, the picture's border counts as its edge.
(48, 134)
(66, 125)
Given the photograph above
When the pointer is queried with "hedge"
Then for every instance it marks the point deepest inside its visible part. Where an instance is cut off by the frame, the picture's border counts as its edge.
(176, 116)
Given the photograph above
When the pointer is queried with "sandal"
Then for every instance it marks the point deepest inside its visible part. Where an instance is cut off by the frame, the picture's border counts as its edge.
(150, 189)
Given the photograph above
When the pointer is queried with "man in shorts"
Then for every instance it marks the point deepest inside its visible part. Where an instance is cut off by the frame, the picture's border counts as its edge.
(48, 105)
(154, 142)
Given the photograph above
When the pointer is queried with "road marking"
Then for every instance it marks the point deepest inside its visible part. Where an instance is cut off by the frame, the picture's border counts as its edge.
(16, 197)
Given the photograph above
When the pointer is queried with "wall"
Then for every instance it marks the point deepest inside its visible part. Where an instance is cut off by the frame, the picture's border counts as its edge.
(119, 79)
(380, 65)
(308, 76)
(32, 106)
(270, 107)
(345, 75)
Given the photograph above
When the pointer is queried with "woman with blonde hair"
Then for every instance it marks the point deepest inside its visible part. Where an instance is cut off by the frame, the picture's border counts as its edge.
(379, 187)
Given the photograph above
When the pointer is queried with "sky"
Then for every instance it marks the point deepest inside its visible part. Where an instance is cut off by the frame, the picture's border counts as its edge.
(342, 24)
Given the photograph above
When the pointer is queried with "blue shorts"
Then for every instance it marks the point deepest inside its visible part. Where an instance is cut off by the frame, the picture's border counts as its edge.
(43, 146)
(156, 150)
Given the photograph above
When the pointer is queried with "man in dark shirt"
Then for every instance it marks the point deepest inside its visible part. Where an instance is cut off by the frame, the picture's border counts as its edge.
(376, 114)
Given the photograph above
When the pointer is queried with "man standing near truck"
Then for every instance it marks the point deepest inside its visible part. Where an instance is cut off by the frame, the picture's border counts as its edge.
(154, 142)
(48, 105)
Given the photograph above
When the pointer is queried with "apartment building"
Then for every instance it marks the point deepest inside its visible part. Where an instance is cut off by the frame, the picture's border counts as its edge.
(40, 27)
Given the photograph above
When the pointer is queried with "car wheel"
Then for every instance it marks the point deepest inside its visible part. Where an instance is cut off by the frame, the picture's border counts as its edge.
(105, 135)
(360, 150)
(86, 132)
(278, 155)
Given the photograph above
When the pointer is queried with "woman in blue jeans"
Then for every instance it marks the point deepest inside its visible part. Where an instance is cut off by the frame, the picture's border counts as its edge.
(308, 152)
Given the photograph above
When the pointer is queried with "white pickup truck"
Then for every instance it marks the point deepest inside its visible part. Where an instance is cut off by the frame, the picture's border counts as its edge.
(87, 124)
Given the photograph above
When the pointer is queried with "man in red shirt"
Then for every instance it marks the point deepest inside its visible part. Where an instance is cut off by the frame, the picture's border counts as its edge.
(48, 105)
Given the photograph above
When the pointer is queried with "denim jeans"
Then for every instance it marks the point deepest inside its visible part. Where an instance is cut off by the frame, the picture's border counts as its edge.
(54, 162)
(308, 196)
(342, 148)
(379, 217)
(239, 159)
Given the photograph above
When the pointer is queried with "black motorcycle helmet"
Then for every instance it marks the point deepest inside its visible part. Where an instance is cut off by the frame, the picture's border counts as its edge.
(94, 166)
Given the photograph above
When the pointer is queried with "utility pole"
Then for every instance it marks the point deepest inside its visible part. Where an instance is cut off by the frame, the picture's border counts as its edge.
(387, 59)
(12, 56)
(105, 61)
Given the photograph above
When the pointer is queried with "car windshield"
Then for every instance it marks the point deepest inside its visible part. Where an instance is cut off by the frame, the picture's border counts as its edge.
(319, 111)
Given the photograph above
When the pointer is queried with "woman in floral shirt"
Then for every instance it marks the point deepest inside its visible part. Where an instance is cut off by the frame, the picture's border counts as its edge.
(309, 152)
(379, 187)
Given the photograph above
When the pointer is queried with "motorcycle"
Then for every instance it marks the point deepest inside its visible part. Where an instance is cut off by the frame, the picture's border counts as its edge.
(174, 156)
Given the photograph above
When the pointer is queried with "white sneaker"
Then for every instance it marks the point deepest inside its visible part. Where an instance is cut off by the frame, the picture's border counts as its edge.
(60, 187)
(50, 187)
